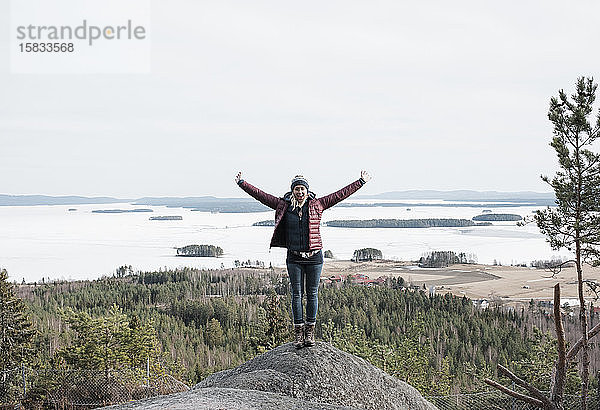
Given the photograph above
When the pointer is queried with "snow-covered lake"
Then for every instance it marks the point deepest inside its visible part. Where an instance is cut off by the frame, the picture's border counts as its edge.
(53, 242)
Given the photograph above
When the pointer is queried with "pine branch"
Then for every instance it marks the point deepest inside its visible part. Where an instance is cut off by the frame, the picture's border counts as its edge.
(532, 390)
(591, 164)
(516, 395)
(556, 269)
(579, 344)
(593, 286)
(593, 232)
(554, 229)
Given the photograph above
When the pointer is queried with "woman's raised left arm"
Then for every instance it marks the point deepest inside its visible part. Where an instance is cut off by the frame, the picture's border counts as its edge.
(330, 200)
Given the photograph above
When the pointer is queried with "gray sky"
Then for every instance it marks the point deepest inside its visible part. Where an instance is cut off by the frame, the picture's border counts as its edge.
(424, 95)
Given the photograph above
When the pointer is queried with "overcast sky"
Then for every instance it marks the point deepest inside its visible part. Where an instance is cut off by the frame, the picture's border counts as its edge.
(424, 95)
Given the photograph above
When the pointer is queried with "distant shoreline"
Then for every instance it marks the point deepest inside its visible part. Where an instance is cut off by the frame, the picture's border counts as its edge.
(121, 211)
(245, 204)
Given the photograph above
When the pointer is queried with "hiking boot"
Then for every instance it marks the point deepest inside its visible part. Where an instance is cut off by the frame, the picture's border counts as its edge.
(299, 333)
(309, 335)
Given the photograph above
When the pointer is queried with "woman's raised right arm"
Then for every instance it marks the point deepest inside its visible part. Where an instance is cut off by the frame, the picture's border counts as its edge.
(267, 199)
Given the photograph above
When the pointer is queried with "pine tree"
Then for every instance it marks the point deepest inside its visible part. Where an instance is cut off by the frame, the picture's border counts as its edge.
(276, 330)
(214, 333)
(575, 223)
(16, 333)
(106, 355)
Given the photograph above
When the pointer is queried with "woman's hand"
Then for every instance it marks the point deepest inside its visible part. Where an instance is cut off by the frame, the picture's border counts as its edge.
(365, 176)
(238, 177)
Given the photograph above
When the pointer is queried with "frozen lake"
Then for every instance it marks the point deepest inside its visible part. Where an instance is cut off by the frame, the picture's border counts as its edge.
(53, 242)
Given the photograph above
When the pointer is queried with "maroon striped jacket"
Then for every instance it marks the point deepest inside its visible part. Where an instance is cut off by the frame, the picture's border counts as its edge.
(316, 206)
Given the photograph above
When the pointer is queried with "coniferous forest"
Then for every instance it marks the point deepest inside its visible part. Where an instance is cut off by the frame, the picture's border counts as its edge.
(189, 323)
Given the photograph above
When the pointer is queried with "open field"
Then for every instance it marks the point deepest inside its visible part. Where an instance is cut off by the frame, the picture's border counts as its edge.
(511, 284)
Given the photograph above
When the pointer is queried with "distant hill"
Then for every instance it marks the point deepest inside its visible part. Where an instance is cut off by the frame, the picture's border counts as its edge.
(465, 204)
(203, 203)
(213, 204)
(466, 195)
(188, 201)
(24, 200)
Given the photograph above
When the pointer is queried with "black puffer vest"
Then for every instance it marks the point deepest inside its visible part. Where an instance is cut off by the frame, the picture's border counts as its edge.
(296, 228)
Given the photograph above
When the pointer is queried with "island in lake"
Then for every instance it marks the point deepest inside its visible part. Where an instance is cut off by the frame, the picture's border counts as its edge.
(200, 250)
(404, 223)
(120, 211)
(167, 218)
(497, 217)
(268, 222)
(206, 204)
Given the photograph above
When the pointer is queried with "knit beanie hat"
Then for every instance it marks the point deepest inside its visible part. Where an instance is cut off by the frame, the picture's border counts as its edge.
(299, 180)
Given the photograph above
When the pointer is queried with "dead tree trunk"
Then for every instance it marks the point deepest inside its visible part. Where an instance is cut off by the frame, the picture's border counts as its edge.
(559, 373)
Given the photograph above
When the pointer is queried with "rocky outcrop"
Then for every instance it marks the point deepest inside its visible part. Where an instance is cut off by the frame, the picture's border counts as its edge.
(320, 377)
(215, 398)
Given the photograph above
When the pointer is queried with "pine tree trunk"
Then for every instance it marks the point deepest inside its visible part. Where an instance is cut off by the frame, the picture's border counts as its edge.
(585, 359)
(559, 376)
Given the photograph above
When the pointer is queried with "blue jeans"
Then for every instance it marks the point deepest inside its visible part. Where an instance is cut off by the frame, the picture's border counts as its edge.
(304, 277)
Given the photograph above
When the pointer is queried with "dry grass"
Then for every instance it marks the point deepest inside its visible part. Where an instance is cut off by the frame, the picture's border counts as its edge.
(510, 283)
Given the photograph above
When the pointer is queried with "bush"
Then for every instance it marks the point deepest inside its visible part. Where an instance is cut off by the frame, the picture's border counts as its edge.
(367, 254)
(442, 259)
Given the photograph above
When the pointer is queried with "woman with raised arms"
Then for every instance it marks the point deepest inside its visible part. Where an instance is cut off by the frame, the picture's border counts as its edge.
(297, 222)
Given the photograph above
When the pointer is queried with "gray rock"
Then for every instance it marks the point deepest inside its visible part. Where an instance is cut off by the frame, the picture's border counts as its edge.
(215, 398)
(320, 377)
(321, 374)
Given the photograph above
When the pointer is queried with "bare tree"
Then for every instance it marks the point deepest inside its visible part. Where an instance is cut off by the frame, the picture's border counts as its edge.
(559, 372)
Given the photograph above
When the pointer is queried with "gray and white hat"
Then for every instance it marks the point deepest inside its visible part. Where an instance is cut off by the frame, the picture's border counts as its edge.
(299, 180)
